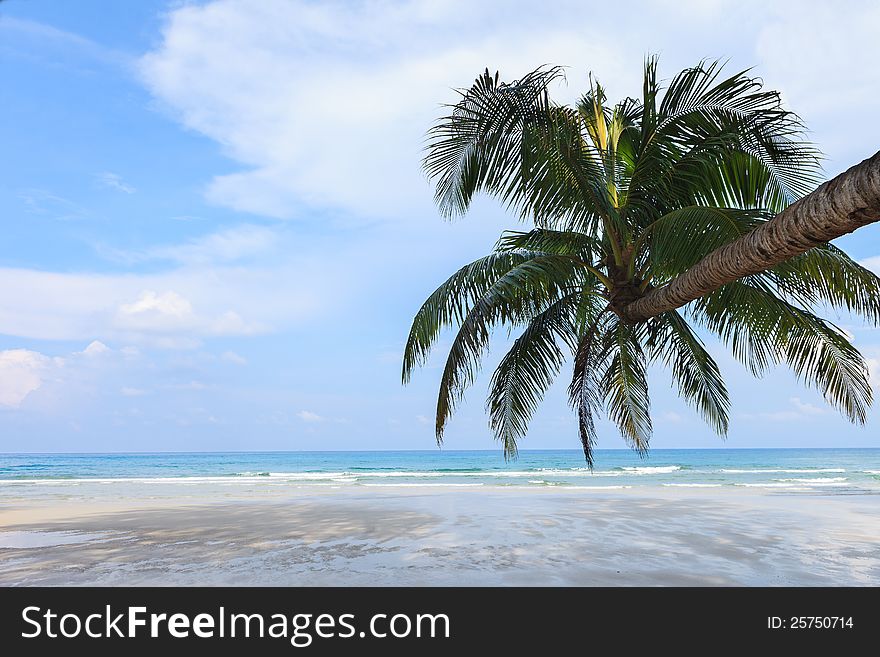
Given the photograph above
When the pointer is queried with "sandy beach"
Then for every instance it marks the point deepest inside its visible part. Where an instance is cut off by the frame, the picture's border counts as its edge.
(432, 536)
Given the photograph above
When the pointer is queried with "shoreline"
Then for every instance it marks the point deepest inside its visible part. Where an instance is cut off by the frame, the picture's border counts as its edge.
(314, 536)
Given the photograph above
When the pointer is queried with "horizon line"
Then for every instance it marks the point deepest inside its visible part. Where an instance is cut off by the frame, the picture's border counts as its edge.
(419, 451)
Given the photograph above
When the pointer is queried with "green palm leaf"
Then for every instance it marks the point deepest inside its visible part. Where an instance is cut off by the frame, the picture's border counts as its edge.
(625, 197)
(625, 385)
(513, 299)
(527, 370)
(584, 391)
(764, 330)
(694, 371)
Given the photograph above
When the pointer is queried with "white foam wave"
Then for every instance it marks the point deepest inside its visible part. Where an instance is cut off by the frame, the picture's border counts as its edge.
(694, 485)
(814, 480)
(418, 474)
(773, 485)
(782, 471)
(134, 480)
(310, 475)
(382, 475)
(646, 469)
(791, 485)
(269, 478)
(412, 485)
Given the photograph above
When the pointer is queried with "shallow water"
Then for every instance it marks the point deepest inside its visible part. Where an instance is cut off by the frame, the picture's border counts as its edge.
(829, 471)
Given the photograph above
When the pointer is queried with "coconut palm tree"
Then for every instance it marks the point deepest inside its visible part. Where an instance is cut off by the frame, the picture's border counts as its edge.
(627, 201)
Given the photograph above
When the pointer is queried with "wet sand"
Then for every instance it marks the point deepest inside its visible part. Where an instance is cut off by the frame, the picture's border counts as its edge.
(428, 536)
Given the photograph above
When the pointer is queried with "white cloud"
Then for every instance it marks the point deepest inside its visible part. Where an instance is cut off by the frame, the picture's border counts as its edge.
(232, 357)
(816, 54)
(227, 245)
(115, 181)
(175, 307)
(802, 411)
(872, 263)
(781, 416)
(21, 372)
(47, 204)
(422, 419)
(700, 9)
(308, 416)
(57, 44)
(190, 385)
(169, 312)
(323, 112)
(169, 303)
(806, 408)
(671, 417)
(874, 373)
(95, 348)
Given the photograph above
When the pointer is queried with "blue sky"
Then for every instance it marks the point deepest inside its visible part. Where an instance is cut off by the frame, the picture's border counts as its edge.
(216, 230)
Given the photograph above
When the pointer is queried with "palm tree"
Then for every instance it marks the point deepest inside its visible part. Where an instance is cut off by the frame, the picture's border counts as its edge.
(686, 198)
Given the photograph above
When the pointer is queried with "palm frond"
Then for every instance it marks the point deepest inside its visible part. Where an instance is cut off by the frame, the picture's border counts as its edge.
(527, 370)
(625, 197)
(679, 239)
(825, 274)
(513, 299)
(584, 391)
(724, 141)
(625, 385)
(449, 304)
(763, 330)
(694, 371)
(545, 240)
(478, 146)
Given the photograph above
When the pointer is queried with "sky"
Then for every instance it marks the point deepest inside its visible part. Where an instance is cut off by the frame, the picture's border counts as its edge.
(216, 230)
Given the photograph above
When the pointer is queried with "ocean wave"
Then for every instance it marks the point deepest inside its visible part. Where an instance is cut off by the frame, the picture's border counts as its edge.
(241, 478)
(542, 472)
(774, 485)
(412, 485)
(434, 474)
(129, 480)
(814, 480)
(305, 476)
(382, 475)
(790, 485)
(357, 475)
(693, 485)
(651, 469)
(782, 471)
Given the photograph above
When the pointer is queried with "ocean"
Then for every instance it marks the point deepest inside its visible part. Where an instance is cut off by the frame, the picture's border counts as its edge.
(824, 471)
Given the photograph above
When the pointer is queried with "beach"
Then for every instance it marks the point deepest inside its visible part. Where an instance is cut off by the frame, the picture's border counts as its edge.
(443, 536)
(440, 518)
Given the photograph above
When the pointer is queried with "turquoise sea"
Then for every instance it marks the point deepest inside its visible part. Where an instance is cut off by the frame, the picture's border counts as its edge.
(826, 471)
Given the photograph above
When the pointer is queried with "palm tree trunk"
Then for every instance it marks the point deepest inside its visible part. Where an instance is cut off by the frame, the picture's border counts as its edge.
(839, 206)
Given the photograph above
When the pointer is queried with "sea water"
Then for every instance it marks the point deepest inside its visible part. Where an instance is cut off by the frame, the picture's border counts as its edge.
(817, 471)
